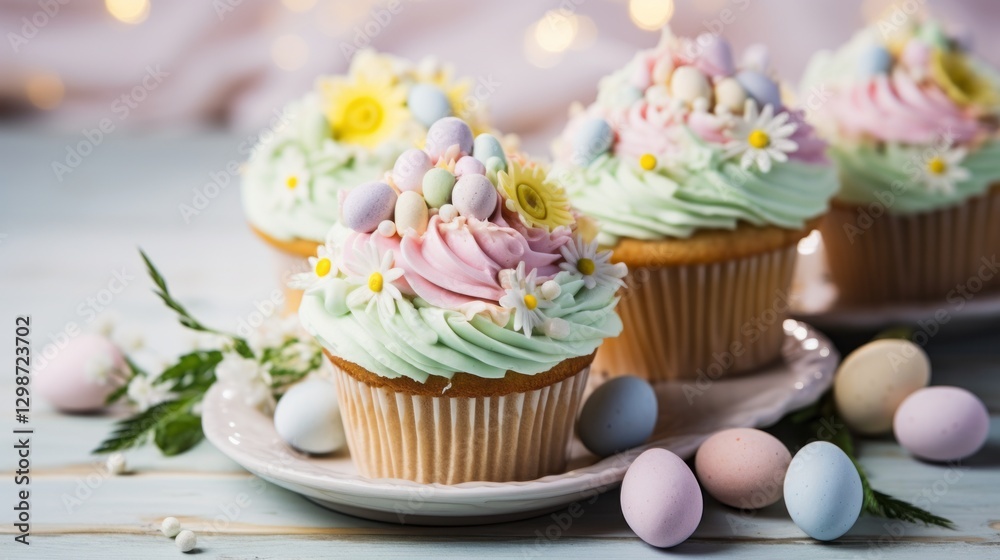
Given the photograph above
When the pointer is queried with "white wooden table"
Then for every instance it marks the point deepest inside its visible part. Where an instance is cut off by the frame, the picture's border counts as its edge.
(64, 240)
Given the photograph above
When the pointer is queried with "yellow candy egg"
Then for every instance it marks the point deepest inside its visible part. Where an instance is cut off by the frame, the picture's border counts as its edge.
(411, 213)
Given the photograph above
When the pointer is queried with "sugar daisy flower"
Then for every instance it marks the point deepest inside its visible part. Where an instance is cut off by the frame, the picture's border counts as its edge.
(376, 288)
(292, 177)
(595, 267)
(942, 171)
(538, 201)
(323, 268)
(523, 297)
(761, 137)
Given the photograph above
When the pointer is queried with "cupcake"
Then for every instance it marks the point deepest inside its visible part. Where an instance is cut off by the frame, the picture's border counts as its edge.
(461, 310)
(350, 129)
(703, 181)
(911, 118)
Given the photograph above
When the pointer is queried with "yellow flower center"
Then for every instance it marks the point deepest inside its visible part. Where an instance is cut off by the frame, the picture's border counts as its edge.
(291, 182)
(937, 166)
(759, 139)
(362, 116)
(375, 282)
(531, 201)
(530, 301)
(586, 266)
(647, 162)
(323, 267)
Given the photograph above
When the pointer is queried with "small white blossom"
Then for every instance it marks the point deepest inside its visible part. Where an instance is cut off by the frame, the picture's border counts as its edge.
(524, 297)
(942, 171)
(593, 266)
(323, 268)
(292, 178)
(247, 375)
(761, 137)
(376, 288)
(273, 333)
(101, 368)
(146, 393)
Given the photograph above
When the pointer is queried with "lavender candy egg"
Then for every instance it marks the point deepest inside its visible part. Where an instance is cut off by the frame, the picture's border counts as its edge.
(942, 424)
(408, 171)
(874, 61)
(469, 165)
(593, 138)
(82, 375)
(762, 89)
(660, 498)
(448, 132)
(716, 57)
(428, 104)
(487, 146)
(367, 205)
(474, 196)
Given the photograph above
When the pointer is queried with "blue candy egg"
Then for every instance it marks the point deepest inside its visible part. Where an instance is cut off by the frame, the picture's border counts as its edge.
(367, 205)
(408, 171)
(428, 104)
(487, 146)
(874, 61)
(448, 132)
(593, 138)
(823, 491)
(619, 415)
(760, 88)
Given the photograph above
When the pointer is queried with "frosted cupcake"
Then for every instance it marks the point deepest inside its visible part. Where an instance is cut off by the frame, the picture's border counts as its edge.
(350, 129)
(911, 117)
(703, 181)
(461, 311)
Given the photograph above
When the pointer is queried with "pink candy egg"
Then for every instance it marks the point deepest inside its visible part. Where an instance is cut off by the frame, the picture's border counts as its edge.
(408, 171)
(743, 467)
(82, 375)
(469, 165)
(660, 498)
(448, 132)
(942, 423)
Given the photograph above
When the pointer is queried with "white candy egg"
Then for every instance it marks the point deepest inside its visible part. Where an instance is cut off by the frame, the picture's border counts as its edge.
(411, 213)
(688, 84)
(308, 417)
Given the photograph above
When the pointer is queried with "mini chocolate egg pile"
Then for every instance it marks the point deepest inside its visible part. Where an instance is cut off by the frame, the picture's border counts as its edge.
(455, 175)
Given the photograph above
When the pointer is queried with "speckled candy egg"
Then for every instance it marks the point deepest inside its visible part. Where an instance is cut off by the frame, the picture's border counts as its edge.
(474, 196)
(688, 83)
(593, 138)
(487, 146)
(428, 103)
(716, 58)
(743, 467)
(448, 132)
(660, 498)
(874, 61)
(823, 491)
(942, 424)
(730, 94)
(367, 205)
(438, 183)
(411, 213)
(409, 169)
(761, 88)
(82, 375)
(308, 417)
(874, 379)
(469, 165)
(618, 415)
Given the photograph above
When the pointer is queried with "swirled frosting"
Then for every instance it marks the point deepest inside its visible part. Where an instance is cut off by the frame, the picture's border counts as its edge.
(488, 278)
(327, 140)
(682, 139)
(909, 112)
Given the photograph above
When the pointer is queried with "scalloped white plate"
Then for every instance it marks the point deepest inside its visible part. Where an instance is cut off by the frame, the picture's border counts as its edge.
(689, 413)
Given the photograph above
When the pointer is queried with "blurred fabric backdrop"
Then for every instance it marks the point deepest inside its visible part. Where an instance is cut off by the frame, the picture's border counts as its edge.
(233, 63)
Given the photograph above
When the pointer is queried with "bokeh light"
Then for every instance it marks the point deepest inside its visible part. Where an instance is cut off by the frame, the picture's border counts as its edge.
(556, 30)
(289, 52)
(650, 15)
(128, 11)
(299, 5)
(45, 90)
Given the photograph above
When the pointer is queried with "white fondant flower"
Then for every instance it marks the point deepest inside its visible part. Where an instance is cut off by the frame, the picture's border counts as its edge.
(146, 393)
(595, 267)
(292, 177)
(524, 298)
(942, 171)
(273, 333)
(761, 137)
(101, 368)
(323, 268)
(376, 288)
(250, 377)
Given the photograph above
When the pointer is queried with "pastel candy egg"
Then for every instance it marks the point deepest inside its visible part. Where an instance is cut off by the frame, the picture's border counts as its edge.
(662, 70)
(409, 169)
(873, 380)
(618, 415)
(942, 424)
(82, 374)
(730, 94)
(716, 58)
(494, 165)
(874, 61)
(448, 132)
(916, 55)
(474, 196)
(743, 467)
(437, 186)
(660, 498)
(469, 165)
(823, 491)
(756, 57)
(762, 89)
(428, 103)
(487, 146)
(367, 205)
(593, 138)
(933, 34)
(688, 83)
(308, 417)
(411, 214)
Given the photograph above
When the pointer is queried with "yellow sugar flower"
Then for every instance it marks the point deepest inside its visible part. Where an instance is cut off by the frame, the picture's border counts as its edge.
(538, 201)
(363, 111)
(961, 81)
